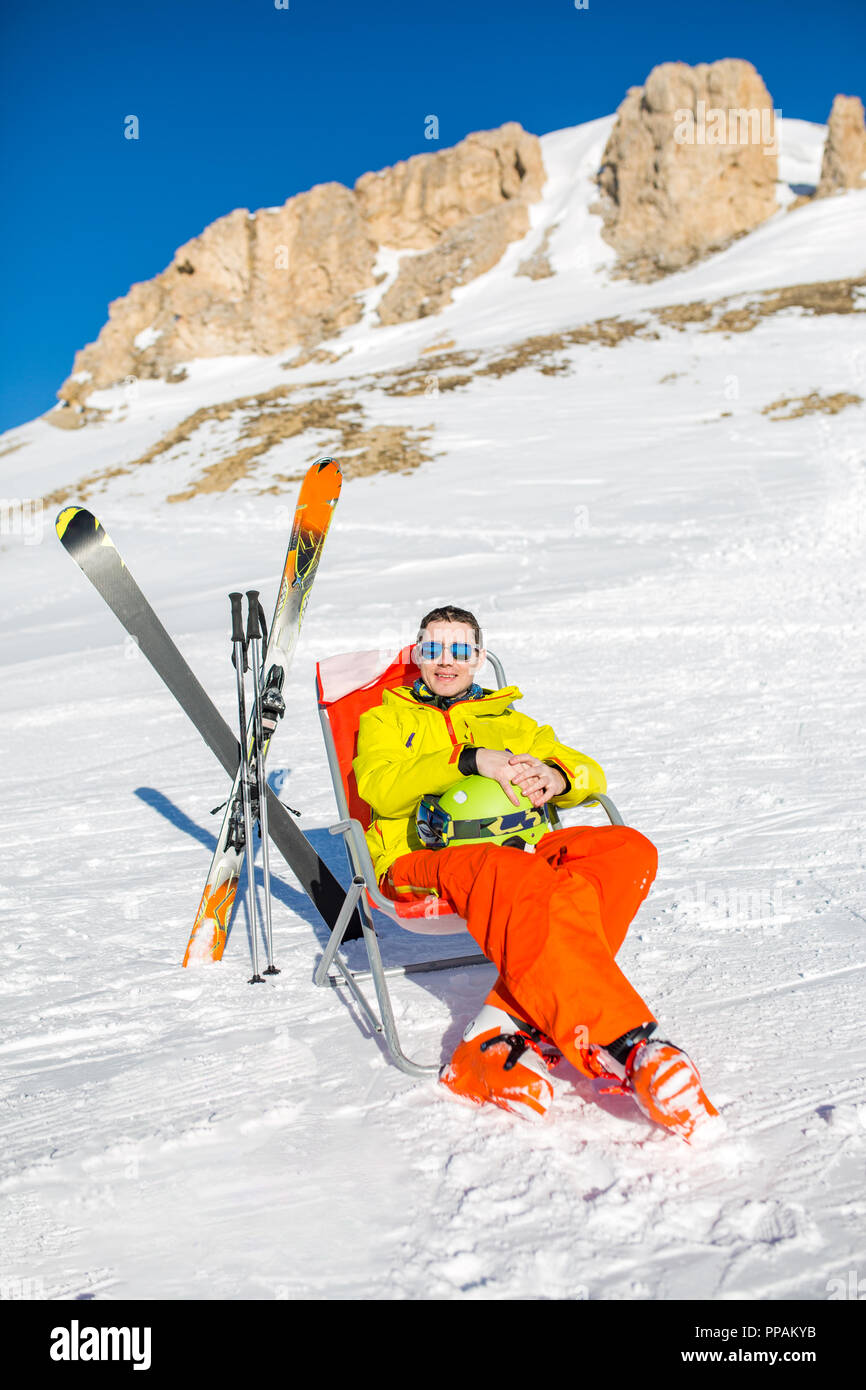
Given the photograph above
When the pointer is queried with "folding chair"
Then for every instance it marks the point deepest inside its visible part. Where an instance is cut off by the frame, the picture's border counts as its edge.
(346, 686)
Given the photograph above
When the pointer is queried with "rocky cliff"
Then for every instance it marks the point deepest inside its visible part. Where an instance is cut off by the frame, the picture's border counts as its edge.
(268, 281)
(690, 164)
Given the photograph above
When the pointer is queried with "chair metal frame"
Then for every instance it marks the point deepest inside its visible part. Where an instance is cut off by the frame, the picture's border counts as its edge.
(364, 892)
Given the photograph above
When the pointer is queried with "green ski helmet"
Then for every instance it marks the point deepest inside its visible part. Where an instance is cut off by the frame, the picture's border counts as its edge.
(478, 808)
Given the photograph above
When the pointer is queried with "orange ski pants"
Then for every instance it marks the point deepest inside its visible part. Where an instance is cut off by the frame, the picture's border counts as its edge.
(552, 923)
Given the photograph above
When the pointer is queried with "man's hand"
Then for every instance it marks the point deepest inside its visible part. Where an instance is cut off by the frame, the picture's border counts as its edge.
(534, 778)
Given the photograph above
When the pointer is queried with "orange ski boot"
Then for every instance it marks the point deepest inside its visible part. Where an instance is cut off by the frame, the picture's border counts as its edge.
(664, 1082)
(667, 1087)
(501, 1060)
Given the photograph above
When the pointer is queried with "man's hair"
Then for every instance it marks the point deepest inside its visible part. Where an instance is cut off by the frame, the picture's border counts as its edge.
(449, 614)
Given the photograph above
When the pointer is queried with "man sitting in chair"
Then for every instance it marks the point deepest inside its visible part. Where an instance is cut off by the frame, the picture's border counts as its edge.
(457, 781)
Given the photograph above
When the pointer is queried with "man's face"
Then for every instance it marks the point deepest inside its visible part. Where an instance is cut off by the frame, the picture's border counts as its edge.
(445, 674)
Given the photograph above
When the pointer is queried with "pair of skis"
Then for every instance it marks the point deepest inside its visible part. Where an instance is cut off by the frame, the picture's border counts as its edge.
(319, 494)
(85, 539)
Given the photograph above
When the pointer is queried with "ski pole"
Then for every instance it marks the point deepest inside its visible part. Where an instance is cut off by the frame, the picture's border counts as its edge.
(239, 657)
(254, 638)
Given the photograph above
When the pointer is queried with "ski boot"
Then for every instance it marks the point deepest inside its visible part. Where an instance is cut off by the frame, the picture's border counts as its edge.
(504, 1061)
(663, 1081)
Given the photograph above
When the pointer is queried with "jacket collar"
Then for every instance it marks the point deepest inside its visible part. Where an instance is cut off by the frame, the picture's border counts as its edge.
(489, 702)
(425, 696)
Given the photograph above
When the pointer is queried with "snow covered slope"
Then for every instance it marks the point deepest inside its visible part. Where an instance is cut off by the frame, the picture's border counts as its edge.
(673, 574)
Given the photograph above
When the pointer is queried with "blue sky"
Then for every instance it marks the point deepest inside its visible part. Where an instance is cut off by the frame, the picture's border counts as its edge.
(241, 104)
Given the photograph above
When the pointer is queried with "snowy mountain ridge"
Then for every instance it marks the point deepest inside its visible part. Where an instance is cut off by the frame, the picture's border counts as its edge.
(815, 243)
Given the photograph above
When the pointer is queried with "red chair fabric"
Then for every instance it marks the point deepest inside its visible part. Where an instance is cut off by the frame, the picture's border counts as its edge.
(344, 707)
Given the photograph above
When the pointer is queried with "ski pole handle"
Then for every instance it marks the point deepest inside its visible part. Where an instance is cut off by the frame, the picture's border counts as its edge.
(254, 630)
(237, 617)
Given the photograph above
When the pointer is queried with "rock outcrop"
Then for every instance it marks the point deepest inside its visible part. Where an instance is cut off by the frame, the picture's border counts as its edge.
(250, 283)
(411, 205)
(844, 163)
(425, 283)
(691, 163)
(288, 277)
(462, 207)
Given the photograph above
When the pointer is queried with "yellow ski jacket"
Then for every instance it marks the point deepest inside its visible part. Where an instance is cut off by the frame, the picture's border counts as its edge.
(406, 748)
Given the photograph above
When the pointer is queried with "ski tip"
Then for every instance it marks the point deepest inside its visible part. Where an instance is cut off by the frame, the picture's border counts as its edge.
(78, 518)
(64, 518)
(80, 533)
(327, 462)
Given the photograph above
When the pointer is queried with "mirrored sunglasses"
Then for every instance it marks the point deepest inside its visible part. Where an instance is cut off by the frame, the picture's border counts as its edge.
(431, 651)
